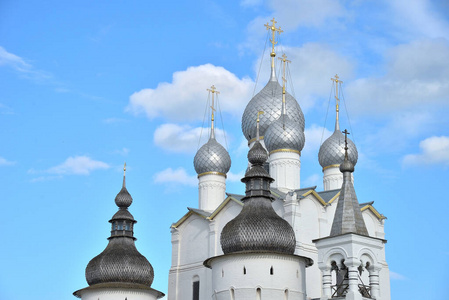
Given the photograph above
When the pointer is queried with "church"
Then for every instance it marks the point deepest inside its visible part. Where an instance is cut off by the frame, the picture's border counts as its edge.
(278, 240)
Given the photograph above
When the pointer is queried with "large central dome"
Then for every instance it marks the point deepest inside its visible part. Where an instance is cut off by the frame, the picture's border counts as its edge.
(269, 100)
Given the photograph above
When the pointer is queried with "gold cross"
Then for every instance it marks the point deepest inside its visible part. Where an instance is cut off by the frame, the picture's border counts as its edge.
(337, 81)
(284, 60)
(273, 29)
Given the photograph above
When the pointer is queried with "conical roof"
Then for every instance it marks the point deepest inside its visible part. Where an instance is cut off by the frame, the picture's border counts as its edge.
(348, 217)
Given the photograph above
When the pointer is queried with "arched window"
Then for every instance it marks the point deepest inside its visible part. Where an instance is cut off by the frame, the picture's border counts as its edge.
(286, 294)
(271, 270)
(196, 288)
(244, 270)
(258, 294)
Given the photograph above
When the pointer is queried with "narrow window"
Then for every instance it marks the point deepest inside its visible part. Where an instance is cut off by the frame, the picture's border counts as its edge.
(196, 290)
(232, 294)
(258, 294)
(244, 271)
(222, 273)
(271, 270)
(297, 273)
(286, 295)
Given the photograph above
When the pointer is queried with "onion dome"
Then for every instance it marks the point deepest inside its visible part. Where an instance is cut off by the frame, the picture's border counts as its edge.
(284, 134)
(120, 262)
(348, 216)
(332, 151)
(258, 227)
(212, 157)
(269, 100)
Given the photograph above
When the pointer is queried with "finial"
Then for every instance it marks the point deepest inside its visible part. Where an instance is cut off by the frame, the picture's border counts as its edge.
(337, 81)
(124, 174)
(257, 126)
(273, 29)
(346, 143)
(213, 91)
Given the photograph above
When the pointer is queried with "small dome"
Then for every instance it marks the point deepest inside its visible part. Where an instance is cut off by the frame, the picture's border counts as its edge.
(257, 155)
(269, 100)
(212, 157)
(123, 198)
(332, 151)
(120, 262)
(284, 134)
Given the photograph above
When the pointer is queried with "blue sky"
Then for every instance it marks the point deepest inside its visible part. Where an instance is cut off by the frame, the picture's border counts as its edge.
(86, 86)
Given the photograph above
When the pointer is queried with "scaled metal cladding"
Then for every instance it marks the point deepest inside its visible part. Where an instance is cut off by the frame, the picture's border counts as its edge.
(332, 151)
(212, 157)
(257, 227)
(120, 262)
(269, 100)
(284, 134)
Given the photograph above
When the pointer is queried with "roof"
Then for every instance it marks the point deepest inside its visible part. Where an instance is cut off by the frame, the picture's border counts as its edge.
(324, 197)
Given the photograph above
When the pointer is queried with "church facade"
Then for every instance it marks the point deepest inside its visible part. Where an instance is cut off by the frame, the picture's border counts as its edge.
(279, 240)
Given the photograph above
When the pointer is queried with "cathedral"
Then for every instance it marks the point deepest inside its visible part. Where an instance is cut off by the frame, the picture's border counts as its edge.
(278, 240)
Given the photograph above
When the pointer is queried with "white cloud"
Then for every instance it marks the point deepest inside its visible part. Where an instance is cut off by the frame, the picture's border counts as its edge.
(18, 64)
(5, 162)
(250, 3)
(13, 61)
(232, 177)
(123, 152)
(78, 165)
(312, 180)
(315, 136)
(434, 150)
(293, 13)
(185, 97)
(175, 176)
(419, 17)
(416, 74)
(312, 67)
(183, 138)
(397, 276)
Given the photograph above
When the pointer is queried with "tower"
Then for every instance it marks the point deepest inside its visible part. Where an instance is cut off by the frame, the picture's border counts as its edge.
(120, 271)
(258, 245)
(211, 163)
(284, 140)
(332, 152)
(269, 100)
(349, 251)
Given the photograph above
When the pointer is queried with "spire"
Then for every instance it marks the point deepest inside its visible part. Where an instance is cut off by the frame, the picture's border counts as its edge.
(348, 217)
(213, 91)
(337, 100)
(273, 29)
(284, 82)
(124, 176)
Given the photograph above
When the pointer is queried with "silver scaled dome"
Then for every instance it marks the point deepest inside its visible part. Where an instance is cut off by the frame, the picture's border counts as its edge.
(120, 262)
(269, 100)
(284, 134)
(332, 151)
(257, 227)
(212, 157)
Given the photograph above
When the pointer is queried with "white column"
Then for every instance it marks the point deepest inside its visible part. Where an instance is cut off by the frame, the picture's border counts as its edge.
(327, 283)
(353, 279)
(374, 281)
(285, 168)
(211, 191)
